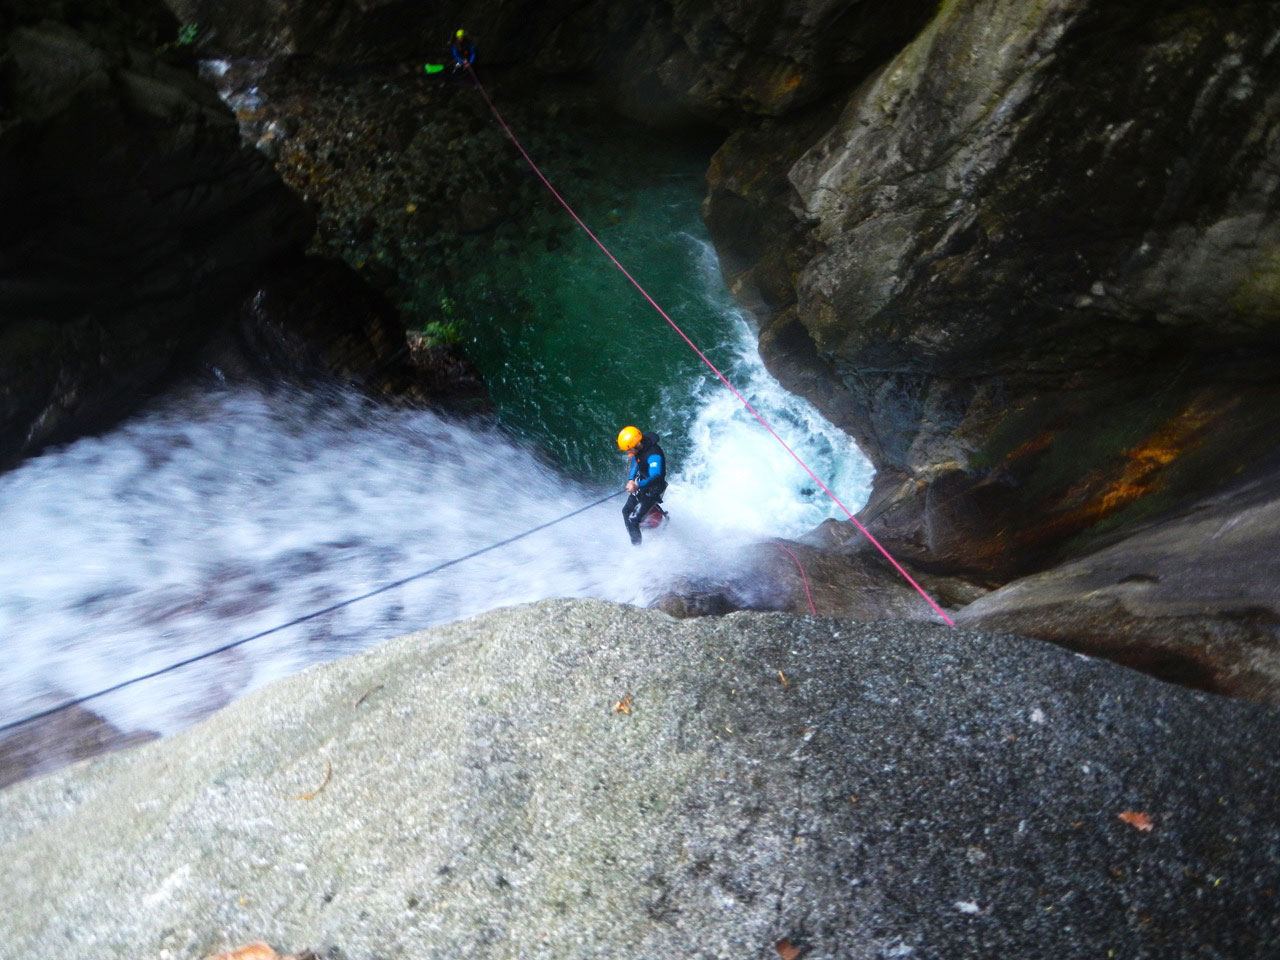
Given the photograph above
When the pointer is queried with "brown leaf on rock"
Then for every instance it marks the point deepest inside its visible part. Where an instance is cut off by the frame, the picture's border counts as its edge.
(786, 949)
(250, 951)
(783, 677)
(623, 705)
(261, 951)
(1139, 821)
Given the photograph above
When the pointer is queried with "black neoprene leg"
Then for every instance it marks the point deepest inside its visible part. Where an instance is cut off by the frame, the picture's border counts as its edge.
(635, 510)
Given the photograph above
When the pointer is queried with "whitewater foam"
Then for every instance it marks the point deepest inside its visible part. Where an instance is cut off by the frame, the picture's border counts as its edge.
(224, 512)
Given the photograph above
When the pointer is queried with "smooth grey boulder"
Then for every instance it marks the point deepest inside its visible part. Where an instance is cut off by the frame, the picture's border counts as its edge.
(859, 790)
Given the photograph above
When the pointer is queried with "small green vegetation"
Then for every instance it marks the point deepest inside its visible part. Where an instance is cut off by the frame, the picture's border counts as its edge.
(186, 38)
(446, 328)
(438, 333)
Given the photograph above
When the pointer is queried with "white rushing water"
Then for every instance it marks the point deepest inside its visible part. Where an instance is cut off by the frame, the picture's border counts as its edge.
(738, 477)
(224, 513)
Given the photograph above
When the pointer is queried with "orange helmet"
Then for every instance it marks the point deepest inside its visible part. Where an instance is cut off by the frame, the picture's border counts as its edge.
(628, 439)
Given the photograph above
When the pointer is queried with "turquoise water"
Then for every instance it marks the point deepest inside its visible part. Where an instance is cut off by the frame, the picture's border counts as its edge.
(570, 349)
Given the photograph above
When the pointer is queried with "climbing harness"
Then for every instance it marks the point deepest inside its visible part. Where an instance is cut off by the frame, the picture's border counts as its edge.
(723, 379)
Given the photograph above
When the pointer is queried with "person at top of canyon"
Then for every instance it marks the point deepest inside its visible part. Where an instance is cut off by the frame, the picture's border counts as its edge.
(463, 50)
(646, 477)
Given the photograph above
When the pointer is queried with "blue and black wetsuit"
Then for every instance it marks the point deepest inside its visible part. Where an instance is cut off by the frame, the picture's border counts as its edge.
(649, 471)
(464, 52)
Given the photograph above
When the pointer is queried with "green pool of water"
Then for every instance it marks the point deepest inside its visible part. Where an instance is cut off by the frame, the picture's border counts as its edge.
(570, 349)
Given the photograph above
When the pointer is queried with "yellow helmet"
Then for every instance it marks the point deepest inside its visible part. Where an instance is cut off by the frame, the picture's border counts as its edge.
(628, 439)
(460, 34)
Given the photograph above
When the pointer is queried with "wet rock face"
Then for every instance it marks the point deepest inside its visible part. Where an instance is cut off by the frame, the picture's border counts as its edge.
(1192, 599)
(661, 62)
(825, 576)
(318, 321)
(60, 739)
(1043, 292)
(132, 216)
(727, 60)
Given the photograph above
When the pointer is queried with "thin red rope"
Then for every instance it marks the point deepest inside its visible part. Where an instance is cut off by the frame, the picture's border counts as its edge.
(723, 379)
(800, 567)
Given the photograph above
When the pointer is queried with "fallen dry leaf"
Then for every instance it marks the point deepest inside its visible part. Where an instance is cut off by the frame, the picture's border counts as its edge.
(328, 772)
(250, 951)
(783, 677)
(623, 705)
(260, 951)
(1139, 821)
(786, 949)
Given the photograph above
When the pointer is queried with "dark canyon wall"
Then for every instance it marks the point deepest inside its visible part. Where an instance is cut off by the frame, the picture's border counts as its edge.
(1032, 266)
(131, 213)
(139, 236)
(663, 62)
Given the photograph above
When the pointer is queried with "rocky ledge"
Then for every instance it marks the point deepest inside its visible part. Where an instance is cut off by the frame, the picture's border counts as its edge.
(582, 779)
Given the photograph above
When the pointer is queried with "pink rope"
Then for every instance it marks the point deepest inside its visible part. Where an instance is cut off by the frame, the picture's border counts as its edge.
(800, 567)
(723, 379)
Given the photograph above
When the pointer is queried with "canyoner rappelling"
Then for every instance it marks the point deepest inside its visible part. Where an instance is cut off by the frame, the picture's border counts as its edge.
(463, 51)
(646, 481)
(694, 347)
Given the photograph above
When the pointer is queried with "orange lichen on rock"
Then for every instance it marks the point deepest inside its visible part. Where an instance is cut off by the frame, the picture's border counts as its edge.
(790, 81)
(1143, 463)
(1142, 470)
(776, 86)
(1035, 445)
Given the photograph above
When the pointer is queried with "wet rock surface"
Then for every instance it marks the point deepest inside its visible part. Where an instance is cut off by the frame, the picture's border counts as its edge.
(1194, 598)
(1039, 305)
(475, 790)
(58, 740)
(133, 215)
(318, 321)
(827, 576)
